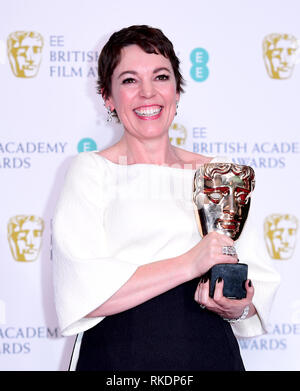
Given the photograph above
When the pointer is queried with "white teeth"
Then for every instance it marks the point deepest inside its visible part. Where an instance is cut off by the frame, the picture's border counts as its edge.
(148, 112)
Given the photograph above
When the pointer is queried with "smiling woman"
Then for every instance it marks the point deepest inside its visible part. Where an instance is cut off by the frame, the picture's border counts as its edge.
(128, 261)
(143, 88)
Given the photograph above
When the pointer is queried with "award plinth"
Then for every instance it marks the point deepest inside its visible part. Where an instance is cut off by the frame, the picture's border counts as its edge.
(222, 196)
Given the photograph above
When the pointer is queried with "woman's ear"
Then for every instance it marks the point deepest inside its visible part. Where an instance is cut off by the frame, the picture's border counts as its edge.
(107, 101)
(109, 104)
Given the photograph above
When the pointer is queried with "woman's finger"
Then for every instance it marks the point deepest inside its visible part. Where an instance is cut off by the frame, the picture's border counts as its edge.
(204, 291)
(218, 294)
(250, 290)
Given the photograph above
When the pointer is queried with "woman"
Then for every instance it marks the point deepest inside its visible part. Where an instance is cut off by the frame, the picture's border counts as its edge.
(127, 252)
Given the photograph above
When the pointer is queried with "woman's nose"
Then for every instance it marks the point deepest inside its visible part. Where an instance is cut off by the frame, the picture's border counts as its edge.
(147, 89)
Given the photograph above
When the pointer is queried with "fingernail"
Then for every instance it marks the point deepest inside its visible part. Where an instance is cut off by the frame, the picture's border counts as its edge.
(220, 279)
(250, 283)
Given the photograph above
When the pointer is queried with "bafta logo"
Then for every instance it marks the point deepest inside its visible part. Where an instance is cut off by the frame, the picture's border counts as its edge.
(25, 237)
(177, 134)
(280, 232)
(24, 49)
(280, 55)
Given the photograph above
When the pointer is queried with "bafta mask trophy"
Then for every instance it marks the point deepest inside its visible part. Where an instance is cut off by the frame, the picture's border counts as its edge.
(222, 194)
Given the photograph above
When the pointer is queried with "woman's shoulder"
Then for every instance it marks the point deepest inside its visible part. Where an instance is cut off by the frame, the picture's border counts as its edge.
(197, 160)
(113, 154)
(85, 165)
(191, 158)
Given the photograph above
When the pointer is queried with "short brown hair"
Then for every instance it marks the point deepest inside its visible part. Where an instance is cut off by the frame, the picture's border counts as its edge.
(151, 40)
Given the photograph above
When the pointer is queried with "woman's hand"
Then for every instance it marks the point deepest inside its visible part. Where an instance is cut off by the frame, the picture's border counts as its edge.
(226, 308)
(208, 252)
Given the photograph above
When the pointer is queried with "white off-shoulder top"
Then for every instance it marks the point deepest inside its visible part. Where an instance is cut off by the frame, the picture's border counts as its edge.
(112, 218)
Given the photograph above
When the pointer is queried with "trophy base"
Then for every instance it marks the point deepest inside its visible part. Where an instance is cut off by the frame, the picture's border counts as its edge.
(234, 276)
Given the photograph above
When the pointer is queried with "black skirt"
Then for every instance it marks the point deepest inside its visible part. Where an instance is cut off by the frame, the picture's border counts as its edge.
(167, 333)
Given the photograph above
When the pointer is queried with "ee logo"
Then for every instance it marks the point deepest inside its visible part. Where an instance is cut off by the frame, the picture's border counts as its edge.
(86, 145)
(199, 58)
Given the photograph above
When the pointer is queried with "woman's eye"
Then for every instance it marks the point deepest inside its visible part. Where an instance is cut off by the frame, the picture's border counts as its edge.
(129, 80)
(162, 77)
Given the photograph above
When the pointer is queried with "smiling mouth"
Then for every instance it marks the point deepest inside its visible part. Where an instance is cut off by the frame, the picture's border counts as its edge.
(148, 112)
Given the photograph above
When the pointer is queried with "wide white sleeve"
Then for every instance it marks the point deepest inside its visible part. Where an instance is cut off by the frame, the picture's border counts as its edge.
(84, 274)
(264, 277)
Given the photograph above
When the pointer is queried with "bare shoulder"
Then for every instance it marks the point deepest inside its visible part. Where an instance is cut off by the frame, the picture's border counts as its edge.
(191, 157)
(111, 153)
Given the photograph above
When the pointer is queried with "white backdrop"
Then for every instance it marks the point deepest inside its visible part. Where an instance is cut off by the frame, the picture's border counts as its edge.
(50, 112)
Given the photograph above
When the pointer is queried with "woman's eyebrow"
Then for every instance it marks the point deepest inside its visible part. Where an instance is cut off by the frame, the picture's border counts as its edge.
(161, 69)
(125, 72)
(156, 70)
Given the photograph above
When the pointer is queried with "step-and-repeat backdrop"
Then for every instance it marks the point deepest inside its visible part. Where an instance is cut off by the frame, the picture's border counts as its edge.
(240, 60)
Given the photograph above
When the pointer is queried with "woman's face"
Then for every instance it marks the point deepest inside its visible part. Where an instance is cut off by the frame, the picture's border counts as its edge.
(144, 93)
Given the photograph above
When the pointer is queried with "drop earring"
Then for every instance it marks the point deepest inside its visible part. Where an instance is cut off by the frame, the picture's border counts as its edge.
(109, 114)
(176, 108)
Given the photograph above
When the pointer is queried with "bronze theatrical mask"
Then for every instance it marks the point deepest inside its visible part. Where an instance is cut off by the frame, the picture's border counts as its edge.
(222, 195)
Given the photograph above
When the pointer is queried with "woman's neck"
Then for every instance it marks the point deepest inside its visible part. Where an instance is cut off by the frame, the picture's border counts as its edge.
(155, 151)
